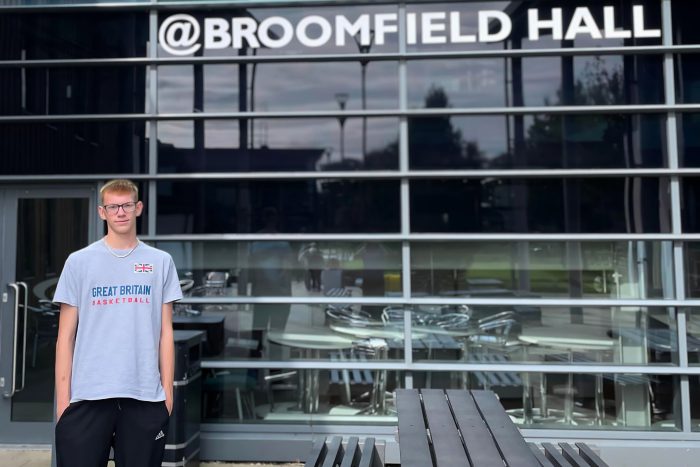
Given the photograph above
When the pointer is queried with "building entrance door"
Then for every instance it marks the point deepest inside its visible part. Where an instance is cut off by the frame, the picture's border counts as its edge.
(39, 228)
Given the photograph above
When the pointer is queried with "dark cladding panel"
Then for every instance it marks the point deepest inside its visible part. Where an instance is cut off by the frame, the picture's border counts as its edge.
(550, 205)
(79, 90)
(278, 145)
(54, 148)
(534, 141)
(108, 34)
(539, 81)
(295, 86)
(313, 206)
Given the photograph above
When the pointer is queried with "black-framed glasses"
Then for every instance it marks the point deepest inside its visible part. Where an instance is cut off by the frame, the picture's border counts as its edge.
(112, 209)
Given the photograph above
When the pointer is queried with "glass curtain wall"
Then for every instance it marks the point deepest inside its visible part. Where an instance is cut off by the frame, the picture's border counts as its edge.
(405, 204)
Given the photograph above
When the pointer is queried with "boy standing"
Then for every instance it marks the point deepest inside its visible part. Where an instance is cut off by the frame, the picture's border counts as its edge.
(115, 351)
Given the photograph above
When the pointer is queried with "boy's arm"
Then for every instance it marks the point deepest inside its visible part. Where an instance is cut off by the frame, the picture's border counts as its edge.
(65, 343)
(167, 354)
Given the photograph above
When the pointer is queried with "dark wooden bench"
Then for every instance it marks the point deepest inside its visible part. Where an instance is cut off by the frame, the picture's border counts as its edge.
(471, 428)
(332, 452)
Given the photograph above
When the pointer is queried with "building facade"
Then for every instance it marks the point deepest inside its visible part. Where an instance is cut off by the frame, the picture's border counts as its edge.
(363, 196)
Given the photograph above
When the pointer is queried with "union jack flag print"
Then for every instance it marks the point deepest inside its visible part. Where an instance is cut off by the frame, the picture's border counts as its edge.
(143, 268)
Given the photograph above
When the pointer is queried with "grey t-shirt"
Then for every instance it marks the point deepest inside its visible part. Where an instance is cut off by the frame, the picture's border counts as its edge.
(119, 303)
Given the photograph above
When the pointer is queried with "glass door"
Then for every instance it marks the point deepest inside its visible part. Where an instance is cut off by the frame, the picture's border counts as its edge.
(39, 228)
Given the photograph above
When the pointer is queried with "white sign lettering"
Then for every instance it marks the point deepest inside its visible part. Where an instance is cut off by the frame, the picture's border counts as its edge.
(181, 34)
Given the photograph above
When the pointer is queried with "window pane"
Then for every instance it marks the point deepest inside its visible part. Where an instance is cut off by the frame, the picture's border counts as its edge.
(607, 205)
(539, 81)
(534, 141)
(49, 91)
(692, 266)
(689, 137)
(278, 145)
(627, 270)
(554, 335)
(619, 401)
(286, 396)
(685, 30)
(445, 36)
(276, 332)
(322, 206)
(278, 86)
(687, 82)
(282, 268)
(38, 36)
(73, 148)
(693, 335)
(689, 204)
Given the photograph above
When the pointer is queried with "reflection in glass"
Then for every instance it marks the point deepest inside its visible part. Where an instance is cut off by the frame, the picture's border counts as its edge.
(569, 205)
(334, 333)
(73, 35)
(617, 401)
(298, 206)
(687, 85)
(73, 148)
(689, 138)
(628, 270)
(694, 406)
(306, 269)
(693, 333)
(546, 334)
(690, 209)
(534, 141)
(276, 86)
(692, 269)
(43, 244)
(684, 25)
(277, 145)
(539, 81)
(52, 91)
(300, 396)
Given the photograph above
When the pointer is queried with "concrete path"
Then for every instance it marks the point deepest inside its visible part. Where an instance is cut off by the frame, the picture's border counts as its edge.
(27, 457)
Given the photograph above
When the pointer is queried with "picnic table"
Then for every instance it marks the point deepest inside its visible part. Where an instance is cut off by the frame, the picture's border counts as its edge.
(471, 428)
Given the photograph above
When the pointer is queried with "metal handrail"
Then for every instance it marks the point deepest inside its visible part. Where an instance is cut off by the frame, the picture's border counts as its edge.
(15, 287)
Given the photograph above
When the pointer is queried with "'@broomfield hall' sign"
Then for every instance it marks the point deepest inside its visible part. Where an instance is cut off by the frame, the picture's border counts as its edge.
(183, 34)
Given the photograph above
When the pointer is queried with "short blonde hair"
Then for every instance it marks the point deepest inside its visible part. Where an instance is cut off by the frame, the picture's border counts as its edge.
(121, 186)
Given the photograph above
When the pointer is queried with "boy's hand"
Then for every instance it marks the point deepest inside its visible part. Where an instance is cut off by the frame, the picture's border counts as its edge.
(60, 408)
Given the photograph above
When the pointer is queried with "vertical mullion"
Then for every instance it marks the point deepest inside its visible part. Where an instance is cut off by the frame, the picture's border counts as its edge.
(152, 123)
(405, 197)
(678, 260)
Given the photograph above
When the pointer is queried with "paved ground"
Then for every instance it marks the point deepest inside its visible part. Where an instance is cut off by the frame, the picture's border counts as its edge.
(21, 457)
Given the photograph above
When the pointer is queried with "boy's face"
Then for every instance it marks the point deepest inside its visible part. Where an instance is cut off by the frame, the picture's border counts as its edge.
(119, 220)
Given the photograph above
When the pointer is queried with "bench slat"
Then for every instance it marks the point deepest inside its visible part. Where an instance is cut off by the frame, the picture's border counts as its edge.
(448, 448)
(554, 456)
(481, 448)
(352, 453)
(572, 456)
(369, 454)
(335, 452)
(587, 453)
(508, 438)
(318, 452)
(413, 439)
(544, 462)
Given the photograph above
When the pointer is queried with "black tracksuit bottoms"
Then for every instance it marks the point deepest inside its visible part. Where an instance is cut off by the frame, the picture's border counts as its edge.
(87, 429)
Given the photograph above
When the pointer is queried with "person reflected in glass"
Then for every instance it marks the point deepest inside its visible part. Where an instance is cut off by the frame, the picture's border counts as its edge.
(312, 258)
(374, 262)
(270, 275)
